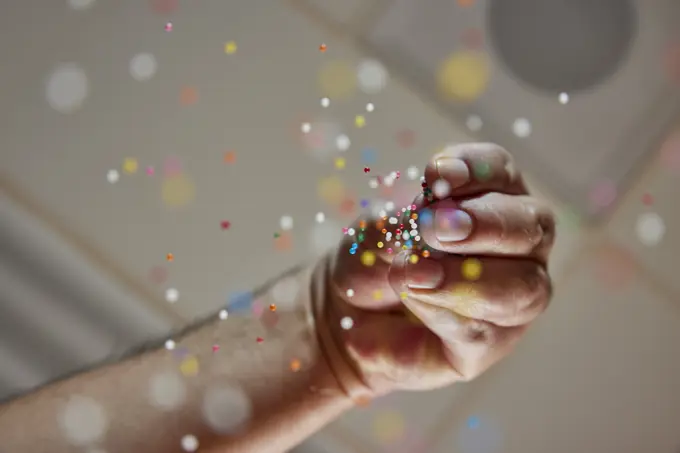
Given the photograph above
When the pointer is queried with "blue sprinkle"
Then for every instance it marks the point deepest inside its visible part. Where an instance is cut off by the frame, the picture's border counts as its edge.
(473, 422)
(425, 217)
(353, 252)
(364, 203)
(369, 156)
(240, 301)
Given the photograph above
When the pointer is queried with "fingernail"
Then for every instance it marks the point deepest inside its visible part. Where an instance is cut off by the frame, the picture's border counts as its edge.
(454, 170)
(452, 225)
(423, 273)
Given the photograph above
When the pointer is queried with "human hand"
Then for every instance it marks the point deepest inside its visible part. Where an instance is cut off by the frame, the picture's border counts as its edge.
(458, 300)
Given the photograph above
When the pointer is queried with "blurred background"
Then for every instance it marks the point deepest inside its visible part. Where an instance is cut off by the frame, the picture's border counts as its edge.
(161, 158)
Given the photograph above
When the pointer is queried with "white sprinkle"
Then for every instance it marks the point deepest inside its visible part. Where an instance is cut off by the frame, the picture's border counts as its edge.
(189, 443)
(223, 314)
(563, 98)
(474, 123)
(521, 127)
(167, 391)
(112, 176)
(171, 295)
(320, 217)
(143, 67)
(350, 292)
(370, 107)
(67, 88)
(346, 323)
(170, 345)
(325, 102)
(83, 421)
(650, 228)
(306, 127)
(286, 222)
(342, 142)
(413, 173)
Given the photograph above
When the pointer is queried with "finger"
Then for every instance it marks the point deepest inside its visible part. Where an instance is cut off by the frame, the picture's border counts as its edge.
(472, 168)
(471, 346)
(500, 291)
(492, 224)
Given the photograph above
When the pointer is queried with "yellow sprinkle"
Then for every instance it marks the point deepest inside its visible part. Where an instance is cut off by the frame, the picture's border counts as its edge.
(339, 163)
(413, 259)
(403, 295)
(360, 121)
(368, 258)
(377, 294)
(230, 48)
(189, 366)
(380, 245)
(130, 165)
(471, 269)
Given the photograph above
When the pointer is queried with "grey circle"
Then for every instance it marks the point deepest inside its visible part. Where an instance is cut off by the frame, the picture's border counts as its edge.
(562, 45)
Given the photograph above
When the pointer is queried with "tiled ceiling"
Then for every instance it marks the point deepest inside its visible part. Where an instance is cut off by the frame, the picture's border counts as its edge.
(607, 56)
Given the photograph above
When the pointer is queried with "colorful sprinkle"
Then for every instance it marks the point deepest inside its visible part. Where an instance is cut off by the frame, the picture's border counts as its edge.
(230, 48)
(225, 224)
(295, 365)
(323, 47)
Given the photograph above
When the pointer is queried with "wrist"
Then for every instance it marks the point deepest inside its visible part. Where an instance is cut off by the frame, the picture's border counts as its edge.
(327, 326)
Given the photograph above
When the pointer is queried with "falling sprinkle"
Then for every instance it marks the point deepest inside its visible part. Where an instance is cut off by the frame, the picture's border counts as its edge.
(286, 223)
(346, 323)
(229, 157)
(150, 171)
(168, 27)
(647, 199)
(225, 224)
(112, 176)
(367, 169)
(188, 95)
(260, 339)
(230, 48)
(323, 47)
(350, 292)
(189, 443)
(370, 107)
(189, 366)
(215, 348)
(272, 307)
(471, 269)
(368, 258)
(320, 217)
(224, 314)
(306, 128)
(295, 365)
(325, 102)
(170, 345)
(170, 257)
(359, 121)
(172, 295)
(130, 165)
(340, 163)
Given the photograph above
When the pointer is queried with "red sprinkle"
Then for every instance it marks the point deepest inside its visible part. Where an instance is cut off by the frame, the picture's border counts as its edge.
(260, 339)
(366, 169)
(216, 347)
(225, 225)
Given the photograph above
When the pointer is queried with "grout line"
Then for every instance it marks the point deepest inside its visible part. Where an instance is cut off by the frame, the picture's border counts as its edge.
(88, 252)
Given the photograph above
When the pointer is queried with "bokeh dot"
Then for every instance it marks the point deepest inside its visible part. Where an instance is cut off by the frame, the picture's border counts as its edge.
(371, 76)
(325, 102)
(346, 323)
(230, 47)
(320, 217)
(67, 88)
(563, 98)
(112, 176)
(172, 295)
(226, 409)
(178, 191)
(463, 76)
(190, 366)
(413, 173)
(471, 269)
(331, 190)
(368, 258)
(82, 420)
(286, 223)
(337, 80)
(650, 228)
(521, 128)
(167, 391)
(189, 443)
(143, 67)
(342, 142)
(474, 123)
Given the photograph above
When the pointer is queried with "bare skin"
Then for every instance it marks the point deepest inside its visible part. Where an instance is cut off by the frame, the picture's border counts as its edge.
(441, 312)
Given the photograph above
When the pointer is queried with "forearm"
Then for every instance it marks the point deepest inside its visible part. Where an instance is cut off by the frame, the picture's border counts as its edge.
(240, 384)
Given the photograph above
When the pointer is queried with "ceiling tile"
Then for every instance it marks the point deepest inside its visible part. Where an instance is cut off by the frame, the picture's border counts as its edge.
(598, 136)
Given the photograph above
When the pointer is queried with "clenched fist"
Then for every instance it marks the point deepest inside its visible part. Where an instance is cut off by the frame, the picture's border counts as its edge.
(441, 290)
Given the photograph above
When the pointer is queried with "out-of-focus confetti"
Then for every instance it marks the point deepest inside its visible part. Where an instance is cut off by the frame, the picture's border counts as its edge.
(229, 157)
(406, 138)
(602, 195)
(170, 257)
(474, 123)
(371, 76)
(143, 67)
(178, 191)
(323, 47)
(112, 176)
(168, 27)
(150, 171)
(370, 107)
(172, 295)
(170, 345)
(240, 301)
(230, 48)
(189, 367)
(325, 102)
(283, 242)
(224, 224)
(337, 80)
(563, 98)
(188, 95)
(130, 165)
(471, 269)
(614, 267)
(189, 443)
(650, 228)
(463, 76)
(522, 128)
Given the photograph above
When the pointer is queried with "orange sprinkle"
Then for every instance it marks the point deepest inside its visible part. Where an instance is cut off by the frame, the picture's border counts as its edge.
(188, 96)
(383, 231)
(229, 157)
(426, 253)
(380, 224)
(295, 365)
(170, 257)
(272, 307)
(362, 224)
(323, 47)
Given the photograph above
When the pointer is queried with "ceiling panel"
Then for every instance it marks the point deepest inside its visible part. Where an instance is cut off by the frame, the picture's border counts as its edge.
(617, 111)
